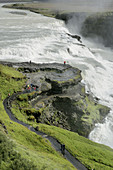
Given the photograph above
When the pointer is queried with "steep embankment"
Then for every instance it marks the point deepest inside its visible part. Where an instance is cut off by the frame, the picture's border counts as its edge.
(55, 143)
(34, 150)
(37, 149)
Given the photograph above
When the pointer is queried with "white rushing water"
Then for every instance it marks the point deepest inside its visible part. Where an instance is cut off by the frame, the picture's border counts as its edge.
(42, 39)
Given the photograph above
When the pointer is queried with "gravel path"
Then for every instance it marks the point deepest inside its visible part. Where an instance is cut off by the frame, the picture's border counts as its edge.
(55, 143)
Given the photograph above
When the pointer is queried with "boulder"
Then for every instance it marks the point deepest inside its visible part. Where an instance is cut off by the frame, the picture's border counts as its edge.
(45, 86)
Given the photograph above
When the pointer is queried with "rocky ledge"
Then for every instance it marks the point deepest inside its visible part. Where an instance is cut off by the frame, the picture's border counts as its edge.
(61, 99)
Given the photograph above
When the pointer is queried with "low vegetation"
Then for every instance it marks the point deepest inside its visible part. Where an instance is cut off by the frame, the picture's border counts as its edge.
(24, 149)
(9, 158)
(92, 155)
(10, 81)
(33, 149)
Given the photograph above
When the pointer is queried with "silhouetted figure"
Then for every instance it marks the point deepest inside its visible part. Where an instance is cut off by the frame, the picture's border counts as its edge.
(63, 149)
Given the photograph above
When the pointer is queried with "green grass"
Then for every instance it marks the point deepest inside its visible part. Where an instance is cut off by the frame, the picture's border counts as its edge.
(35, 149)
(91, 154)
(10, 81)
(26, 110)
(30, 146)
(9, 158)
(10, 72)
(21, 115)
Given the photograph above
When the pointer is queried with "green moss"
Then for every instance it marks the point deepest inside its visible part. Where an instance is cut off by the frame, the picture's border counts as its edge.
(91, 110)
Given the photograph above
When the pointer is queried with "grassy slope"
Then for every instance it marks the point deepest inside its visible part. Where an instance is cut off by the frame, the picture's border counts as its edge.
(31, 146)
(91, 154)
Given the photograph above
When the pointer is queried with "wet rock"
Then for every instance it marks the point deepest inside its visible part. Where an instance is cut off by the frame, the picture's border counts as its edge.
(75, 36)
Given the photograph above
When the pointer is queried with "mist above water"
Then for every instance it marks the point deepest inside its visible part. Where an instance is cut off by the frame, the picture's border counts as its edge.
(82, 5)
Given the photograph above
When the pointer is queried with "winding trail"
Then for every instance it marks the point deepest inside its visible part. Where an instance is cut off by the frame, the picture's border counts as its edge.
(55, 143)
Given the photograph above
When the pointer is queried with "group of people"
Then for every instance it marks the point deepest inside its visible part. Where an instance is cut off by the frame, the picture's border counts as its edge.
(31, 87)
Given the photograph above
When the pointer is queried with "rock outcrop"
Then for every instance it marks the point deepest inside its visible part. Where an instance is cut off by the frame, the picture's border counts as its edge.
(75, 36)
(61, 99)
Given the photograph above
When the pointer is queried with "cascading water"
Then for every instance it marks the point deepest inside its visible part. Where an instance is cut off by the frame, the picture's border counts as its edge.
(99, 79)
(42, 39)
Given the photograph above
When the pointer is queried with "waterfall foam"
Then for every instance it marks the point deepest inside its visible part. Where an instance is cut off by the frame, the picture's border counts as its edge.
(41, 39)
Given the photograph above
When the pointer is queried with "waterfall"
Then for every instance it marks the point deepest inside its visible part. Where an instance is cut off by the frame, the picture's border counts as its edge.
(42, 39)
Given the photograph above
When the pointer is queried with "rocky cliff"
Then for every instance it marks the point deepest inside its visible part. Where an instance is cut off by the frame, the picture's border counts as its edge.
(100, 25)
(60, 99)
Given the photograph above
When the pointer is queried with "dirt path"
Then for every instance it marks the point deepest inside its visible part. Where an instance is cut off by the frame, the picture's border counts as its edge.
(55, 143)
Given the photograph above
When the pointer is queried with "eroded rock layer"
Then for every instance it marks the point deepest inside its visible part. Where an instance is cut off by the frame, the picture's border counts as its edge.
(60, 99)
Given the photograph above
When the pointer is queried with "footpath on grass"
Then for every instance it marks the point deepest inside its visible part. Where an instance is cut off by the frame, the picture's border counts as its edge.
(55, 143)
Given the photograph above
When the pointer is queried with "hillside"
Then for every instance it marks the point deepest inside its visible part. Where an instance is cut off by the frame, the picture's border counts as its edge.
(36, 150)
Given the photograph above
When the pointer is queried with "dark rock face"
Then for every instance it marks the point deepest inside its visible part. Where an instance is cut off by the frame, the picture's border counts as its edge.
(75, 36)
(65, 16)
(76, 113)
(99, 24)
(61, 99)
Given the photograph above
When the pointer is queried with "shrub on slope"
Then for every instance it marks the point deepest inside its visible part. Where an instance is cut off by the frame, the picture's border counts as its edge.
(9, 158)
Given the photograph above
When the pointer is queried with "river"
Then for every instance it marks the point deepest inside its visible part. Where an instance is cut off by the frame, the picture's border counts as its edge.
(42, 39)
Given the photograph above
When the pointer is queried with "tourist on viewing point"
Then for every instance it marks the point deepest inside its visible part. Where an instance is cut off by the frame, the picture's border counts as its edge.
(64, 62)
